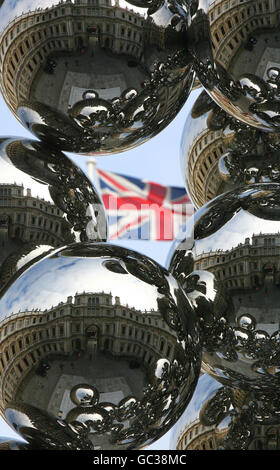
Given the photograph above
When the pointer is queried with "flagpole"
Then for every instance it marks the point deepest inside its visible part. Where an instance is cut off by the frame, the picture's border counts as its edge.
(93, 177)
(92, 173)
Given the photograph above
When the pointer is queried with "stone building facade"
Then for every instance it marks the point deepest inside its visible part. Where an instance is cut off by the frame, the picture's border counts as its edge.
(246, 266)
(28, 218)
(233, 21)
(203, 177)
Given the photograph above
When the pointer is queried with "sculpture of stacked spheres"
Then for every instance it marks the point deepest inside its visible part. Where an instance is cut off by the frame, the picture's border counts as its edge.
(100, 346)
(100, 77)
(100, 349)
(235, 48)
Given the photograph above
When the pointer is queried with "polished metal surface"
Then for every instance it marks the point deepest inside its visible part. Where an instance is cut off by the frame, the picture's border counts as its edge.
(99, 348)
(236, 53)
(220, 418)
(97, 77)
(227, 262)
(220, 153)
(46, 201)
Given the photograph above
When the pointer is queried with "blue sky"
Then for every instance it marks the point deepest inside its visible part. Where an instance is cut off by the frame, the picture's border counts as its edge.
(157, 160)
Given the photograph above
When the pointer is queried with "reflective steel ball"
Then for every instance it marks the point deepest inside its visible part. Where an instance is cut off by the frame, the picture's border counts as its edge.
(100, 78)
(220, 153)
(100, 339)
(220, 418)
(227, 262)
(235, 49)
(46, 201)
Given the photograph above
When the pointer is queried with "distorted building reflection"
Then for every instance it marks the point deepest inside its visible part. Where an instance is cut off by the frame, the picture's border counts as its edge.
(219, 419)
(45, 202)
(100, 69)
(85, 325)
(231, 276)
(237, 42)
(220, 153)
(26, 223)
(119, 371)
(197, 436)
(248, 265)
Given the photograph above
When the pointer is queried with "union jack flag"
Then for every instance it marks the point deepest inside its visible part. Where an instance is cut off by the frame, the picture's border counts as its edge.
(142, 210)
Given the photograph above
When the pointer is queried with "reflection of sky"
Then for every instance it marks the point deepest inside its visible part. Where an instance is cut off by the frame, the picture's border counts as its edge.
(52, 280)
(32, 254)
(240, 226)
(129, 6)
(10, 175)
(204, 391)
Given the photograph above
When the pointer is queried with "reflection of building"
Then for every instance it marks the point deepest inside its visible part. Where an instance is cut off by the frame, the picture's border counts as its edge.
(62, 29)
(266, 438)
(74, 58)
(29, 218)
(248, 265)
(225, 430)
(196, 436)
(232, 23)
(199, 437)
(89, 324)
(203, 177)
(27, 222)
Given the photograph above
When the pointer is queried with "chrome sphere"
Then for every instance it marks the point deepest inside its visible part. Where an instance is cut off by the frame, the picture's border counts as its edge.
(46, 201)
(228, 263)
(220, 418)
(99, 78)
(99, 338)
(220, 153)
(235, 48)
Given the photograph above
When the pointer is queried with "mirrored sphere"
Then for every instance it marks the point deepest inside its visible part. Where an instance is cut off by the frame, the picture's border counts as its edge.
(236, 48)
(102, 339)
(46, 201)
(220, 153)
(99, 78)
(220, 418)
(228, 262)
(84, 395)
